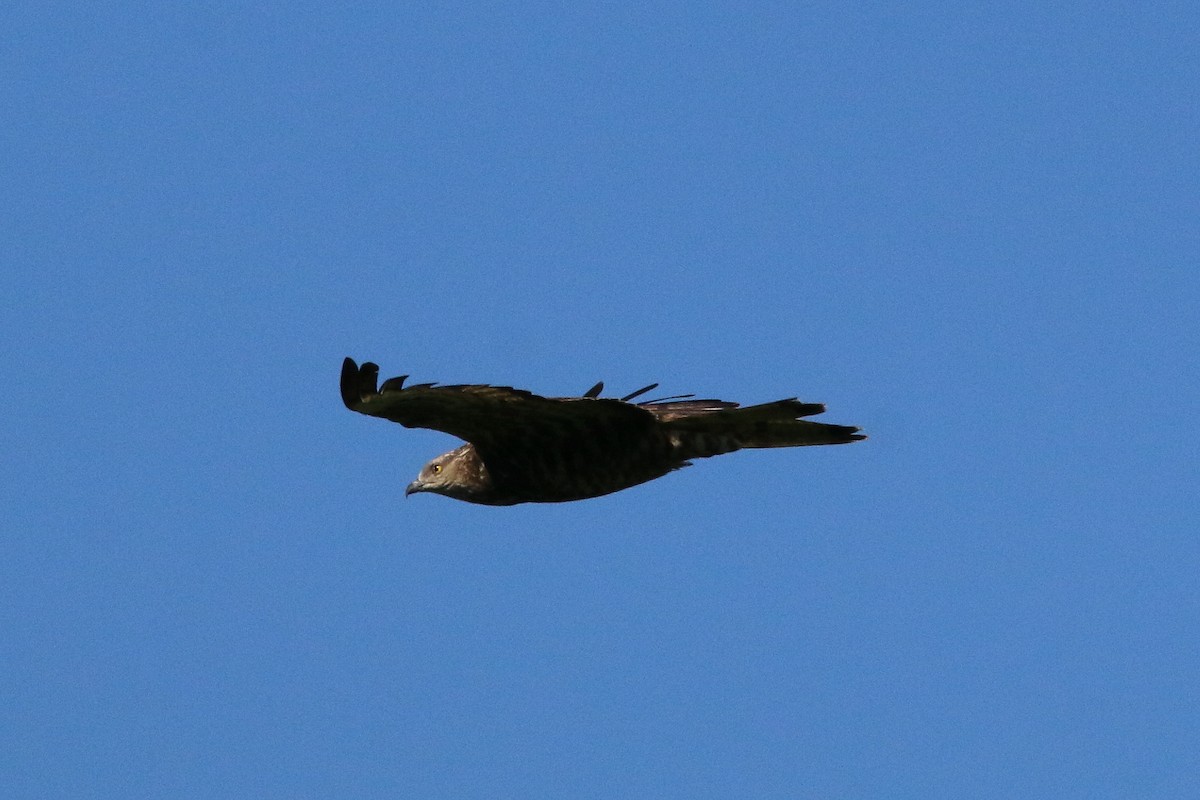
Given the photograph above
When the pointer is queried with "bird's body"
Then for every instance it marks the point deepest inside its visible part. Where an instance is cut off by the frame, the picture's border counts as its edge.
(525, 448)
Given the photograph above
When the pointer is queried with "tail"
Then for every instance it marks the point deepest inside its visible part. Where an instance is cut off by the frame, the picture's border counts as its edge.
(768, 425)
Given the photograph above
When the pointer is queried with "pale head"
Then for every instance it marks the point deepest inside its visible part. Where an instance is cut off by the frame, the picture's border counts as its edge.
(458, 474)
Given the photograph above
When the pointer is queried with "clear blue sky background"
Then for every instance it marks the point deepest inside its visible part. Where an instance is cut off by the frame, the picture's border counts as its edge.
(971, 230)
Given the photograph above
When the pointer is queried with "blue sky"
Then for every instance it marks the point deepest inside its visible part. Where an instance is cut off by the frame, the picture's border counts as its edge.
(972, 232)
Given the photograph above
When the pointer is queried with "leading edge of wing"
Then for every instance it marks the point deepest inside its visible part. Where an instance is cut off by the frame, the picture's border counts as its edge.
(478, 413)
(361, 392)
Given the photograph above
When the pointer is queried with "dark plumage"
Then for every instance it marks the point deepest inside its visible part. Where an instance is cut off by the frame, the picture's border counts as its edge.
(525, 448)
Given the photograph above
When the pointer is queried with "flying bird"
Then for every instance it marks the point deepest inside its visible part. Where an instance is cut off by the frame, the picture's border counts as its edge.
(525, 448)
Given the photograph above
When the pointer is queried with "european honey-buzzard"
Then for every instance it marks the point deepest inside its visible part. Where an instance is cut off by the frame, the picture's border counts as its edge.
(525, 448)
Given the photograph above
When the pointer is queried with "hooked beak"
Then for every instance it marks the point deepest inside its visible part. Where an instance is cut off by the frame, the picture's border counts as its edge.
(415, 486)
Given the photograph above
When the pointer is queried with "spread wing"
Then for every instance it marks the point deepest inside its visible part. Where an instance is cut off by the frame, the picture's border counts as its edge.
(489, 417)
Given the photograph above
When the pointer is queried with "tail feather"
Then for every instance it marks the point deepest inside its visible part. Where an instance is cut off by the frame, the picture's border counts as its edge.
(710, 409)
(767, 425)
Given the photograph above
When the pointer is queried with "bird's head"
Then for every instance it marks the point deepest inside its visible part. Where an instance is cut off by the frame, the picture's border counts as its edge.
(458, 474)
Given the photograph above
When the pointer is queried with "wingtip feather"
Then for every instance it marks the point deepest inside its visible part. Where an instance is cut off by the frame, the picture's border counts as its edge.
(358, 383)
(393, 384)
(349, 383)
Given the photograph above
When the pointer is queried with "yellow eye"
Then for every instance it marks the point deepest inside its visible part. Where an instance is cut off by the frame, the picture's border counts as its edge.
(437, 468)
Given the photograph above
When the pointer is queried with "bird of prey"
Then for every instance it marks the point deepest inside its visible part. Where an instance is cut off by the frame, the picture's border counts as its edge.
(525, 448)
